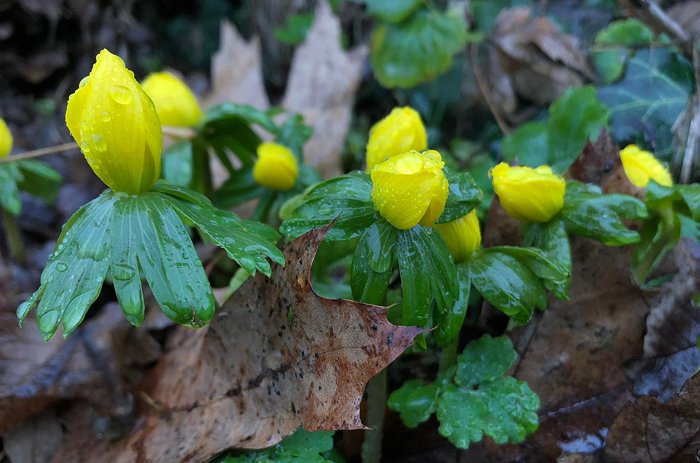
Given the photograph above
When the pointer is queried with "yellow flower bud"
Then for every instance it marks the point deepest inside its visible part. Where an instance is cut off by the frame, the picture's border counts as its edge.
(276, 167)
(5, 139)
(410, 189)
(175, 103)
(116, 126)
(526, 194)
(401, 131)
(641, 166)
(462, 236)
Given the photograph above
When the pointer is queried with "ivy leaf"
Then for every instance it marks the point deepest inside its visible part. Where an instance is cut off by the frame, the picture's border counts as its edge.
(646, 102)
(347, 198)
(552, 238)
(416, 50)
(464, 195)
(613, 55)
(393, 11)
(415, 400)
(9, 192)
(40, 180)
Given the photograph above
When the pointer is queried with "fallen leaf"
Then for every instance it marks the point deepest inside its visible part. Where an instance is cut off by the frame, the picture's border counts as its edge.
(540, 59)
(36, 440)
(322, 84)
(276, 356)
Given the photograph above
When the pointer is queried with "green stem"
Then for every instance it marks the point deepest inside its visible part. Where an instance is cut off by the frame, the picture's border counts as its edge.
(448, 357)
(646, 264)
(376, 402)
(14, 239)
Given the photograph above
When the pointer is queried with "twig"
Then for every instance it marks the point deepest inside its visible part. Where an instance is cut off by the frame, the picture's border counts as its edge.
(691, 143)
(664, 23)
(484, 91)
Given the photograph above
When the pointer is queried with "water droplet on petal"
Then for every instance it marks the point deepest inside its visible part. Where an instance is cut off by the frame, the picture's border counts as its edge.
(120, 94)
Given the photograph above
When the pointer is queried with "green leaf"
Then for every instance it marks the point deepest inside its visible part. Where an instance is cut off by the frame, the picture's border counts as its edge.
(392, 11)
(528, 143)
(347, 197)
(508, 284)
(9, 192)
(301, 447)
(248, 113)
(414, 281)
(552, 238)
(415, 400)
(553, 275)
(239, 188)
(418, 49)
(295, 29)
(463, 196)
(658, 235)
(611, 41)
(691, 197)
(485, 12)
(371, 263)
(569, 129)
(449, 323)
(598, 216)
(485, 359)
(40, 180)
(176, 164)
(294, 134)
(646, 102)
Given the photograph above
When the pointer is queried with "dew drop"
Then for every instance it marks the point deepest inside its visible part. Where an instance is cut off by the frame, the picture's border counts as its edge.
(99, 142)
(120, 94)
(105, 116)
(61, 267)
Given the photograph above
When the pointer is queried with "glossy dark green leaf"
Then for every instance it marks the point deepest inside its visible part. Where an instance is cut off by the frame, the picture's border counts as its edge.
(414, 281)
(657, 237)
(614, 46)
(239, 188)
(645, 103)
(9, 192)
(449, 323)
(380, 240)
(538, 260)
(415, 400)
(416, 50)
(508, 284)
(392, 11)
(371, 264)
(301, 447)
(528, 143)
(552, 238)
(176, 163)
(229, 131)
(347, 197)
(464, 195)
(40, 180)
(182, 193)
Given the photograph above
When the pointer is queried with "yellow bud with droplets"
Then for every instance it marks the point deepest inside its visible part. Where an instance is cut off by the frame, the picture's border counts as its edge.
(175, 103)
(401, 131)
(5, 139)
(462, 236)
(410, 189)
(116, 126)
(526, 194)
(641, 166)
(276, 167)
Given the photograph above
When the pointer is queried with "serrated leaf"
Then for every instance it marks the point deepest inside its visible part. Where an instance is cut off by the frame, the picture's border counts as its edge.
(464, 195)
(9, 192)
(552, 238)
(415, 400)
(485, 359)
(613, 41)
(645, 103)
(418, 49)
(393, 11)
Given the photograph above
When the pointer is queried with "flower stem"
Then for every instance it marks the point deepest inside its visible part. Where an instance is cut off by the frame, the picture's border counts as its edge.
(646, 263)
(376, 403)
(448, 357)
(14, 240)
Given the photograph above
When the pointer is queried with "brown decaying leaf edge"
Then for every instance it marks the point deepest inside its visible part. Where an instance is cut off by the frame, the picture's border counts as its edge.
(256, 373)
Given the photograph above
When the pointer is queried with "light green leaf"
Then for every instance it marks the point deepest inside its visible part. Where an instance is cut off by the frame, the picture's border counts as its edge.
(552, 238)
(301, 447)
(176, 163)
(611, 50)
(415, 400)
(528, 143)
(40, 180)
(392, 11)
(485, 359)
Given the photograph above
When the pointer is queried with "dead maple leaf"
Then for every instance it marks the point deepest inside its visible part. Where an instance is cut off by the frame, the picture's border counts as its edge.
(277, 356)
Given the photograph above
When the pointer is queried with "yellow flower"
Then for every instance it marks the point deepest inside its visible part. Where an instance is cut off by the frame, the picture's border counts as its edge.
(116, 125)
(526, 194)
(276, 167)
(641, 166)
(5, 139)
(462, 236)
(175, 103)
(399, 132)
(410, 188)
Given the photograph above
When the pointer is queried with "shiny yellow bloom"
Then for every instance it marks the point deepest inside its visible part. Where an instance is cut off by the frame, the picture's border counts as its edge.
(462, 236)
(116, 126)
(410, 189)
(276, 167)
(175, 103)
(5, 139)
(526, 194)
(401, 131)
(641, 166)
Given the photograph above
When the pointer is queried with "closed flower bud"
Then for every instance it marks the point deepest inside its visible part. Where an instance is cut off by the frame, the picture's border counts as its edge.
(116, 126)
(401, 131)
(526, 194)
(5, 139)
(175, 103)
(276, 167)
(462, 236)
(410, 189)
(641, 166)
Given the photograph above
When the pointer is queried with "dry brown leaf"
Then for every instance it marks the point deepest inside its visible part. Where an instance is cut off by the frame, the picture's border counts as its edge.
(36, 440)
(541, 60)
(277, 356)
(322, 84)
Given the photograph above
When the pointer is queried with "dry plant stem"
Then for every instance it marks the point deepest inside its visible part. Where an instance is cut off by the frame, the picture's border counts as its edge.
(691, 144)
(376, 401)
(664, 23)
(14, 240)
(483, 86)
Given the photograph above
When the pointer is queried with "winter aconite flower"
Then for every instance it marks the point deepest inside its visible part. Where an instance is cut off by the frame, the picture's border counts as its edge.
(116, 125)
(462, 236)
(526, 194)
(641, 166)
(410, 189)
(401, 131)
(276, 167)
(175, 103)
(5, 139)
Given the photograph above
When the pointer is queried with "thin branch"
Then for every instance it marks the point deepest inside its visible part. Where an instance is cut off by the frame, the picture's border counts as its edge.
(483, 86)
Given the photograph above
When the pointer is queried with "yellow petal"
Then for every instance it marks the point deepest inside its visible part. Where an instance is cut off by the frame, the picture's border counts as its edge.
(462, 236)
(410, 188)
(276, 167)
(175, 103)
(641, 166)
(116, 126)
(526, 194)
(401, 131)
(5, 139)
